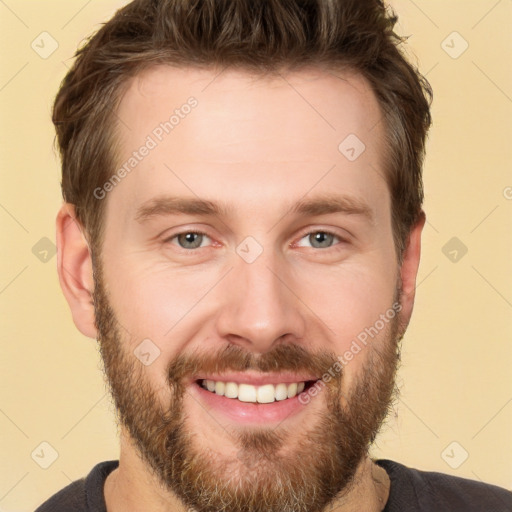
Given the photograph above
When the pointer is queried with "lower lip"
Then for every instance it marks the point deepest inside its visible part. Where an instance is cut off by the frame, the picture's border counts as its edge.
(247, 412)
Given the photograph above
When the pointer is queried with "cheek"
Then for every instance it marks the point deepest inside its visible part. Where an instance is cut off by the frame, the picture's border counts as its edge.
(151, 300)
(350, 299)
(360, 309)
(154, 301)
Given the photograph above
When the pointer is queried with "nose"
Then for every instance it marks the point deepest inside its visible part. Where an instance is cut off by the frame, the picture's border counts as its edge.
(259, 306)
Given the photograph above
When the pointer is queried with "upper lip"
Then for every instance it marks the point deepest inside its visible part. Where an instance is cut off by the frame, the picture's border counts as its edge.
(258, 379)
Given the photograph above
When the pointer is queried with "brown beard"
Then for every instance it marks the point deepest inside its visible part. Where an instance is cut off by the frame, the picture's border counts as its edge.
(266, 476)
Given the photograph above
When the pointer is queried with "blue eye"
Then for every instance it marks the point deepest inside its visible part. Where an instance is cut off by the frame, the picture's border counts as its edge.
(190, 239)
(320, 239)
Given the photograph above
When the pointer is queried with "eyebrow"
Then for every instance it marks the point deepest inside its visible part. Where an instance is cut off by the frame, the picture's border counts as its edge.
(349, 205)
(168, 205)
(322, 205)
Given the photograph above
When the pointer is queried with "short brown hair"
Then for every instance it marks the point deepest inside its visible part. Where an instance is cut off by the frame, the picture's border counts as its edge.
(264, 36)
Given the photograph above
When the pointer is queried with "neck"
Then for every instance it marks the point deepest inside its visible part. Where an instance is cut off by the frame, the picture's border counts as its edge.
(369, 491)
(132, 486)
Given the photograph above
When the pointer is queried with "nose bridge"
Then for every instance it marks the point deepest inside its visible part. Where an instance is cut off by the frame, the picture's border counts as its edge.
(259, 308)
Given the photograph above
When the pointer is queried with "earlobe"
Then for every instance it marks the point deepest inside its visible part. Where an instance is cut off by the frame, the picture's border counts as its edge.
(409, 269)
(74, 266)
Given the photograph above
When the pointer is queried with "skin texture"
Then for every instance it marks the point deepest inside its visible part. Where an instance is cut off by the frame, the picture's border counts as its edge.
(257, 146)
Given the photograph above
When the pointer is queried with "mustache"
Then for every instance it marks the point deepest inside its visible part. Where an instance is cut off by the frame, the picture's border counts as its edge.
(294, 358)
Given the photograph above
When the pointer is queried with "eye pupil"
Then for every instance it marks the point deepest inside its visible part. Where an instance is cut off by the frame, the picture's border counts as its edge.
(321, 238)
(190, 240)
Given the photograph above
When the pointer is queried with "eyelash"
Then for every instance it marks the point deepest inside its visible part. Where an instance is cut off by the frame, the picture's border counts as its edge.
(326, 232)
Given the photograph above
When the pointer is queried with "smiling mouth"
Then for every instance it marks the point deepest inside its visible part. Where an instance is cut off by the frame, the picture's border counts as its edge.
(265, 394)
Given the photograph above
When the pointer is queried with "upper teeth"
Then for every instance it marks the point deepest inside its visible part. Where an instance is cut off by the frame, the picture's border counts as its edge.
(257, 394)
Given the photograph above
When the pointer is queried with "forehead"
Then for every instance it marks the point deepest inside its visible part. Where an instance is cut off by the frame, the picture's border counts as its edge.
(329, 102)
(251, 131)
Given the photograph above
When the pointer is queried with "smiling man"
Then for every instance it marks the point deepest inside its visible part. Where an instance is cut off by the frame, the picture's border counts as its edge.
(241, 232)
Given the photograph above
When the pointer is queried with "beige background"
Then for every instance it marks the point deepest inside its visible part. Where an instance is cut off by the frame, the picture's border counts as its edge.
(455, 379)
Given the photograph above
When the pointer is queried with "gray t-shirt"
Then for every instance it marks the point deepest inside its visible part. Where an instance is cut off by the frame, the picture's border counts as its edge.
(411, 490)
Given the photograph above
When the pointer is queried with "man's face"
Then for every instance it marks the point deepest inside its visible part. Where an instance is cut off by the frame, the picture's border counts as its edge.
(296, 261)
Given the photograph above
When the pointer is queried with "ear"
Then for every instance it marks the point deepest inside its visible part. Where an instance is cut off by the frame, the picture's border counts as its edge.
(409, 270)
(74, 265)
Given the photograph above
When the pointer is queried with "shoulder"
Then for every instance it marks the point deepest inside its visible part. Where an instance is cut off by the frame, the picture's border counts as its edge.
(84, 495)
(413, 489)
(69, 498)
